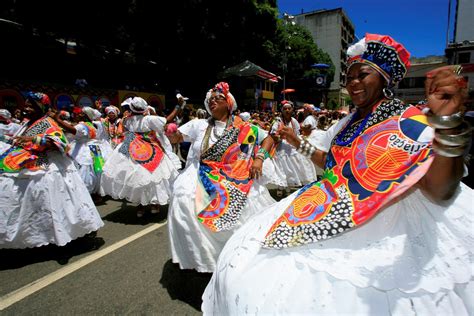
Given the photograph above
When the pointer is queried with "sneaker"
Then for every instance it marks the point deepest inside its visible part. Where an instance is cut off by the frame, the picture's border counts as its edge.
(155, 209)
(140, 213)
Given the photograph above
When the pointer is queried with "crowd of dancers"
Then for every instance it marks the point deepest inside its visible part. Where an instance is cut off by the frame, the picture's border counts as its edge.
(380, 224)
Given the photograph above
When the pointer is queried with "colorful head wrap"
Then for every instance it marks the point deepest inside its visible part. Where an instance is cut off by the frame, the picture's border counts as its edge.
(40, 99)
(309, 107)
(286, 102)
(222, 88)
(91, 113)
(383, 54)
(112, 108)
(137, 105)
(64, 115)
(5, 114)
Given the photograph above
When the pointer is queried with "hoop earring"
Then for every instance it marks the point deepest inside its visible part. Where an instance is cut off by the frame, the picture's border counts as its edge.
(388, 93)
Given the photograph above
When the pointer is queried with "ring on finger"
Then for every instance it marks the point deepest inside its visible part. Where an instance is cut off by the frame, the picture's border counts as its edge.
(457, 69)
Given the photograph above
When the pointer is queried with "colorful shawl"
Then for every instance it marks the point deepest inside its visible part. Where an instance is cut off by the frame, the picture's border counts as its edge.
(143, 148)
(115, 131)
(388, 157)
(33, 156)
(224, 176)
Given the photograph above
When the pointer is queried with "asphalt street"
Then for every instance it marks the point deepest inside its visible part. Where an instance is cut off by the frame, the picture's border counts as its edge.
(125, 269)
(136, 278)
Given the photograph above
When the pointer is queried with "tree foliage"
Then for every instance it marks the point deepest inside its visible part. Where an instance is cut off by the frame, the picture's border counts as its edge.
(181, 46)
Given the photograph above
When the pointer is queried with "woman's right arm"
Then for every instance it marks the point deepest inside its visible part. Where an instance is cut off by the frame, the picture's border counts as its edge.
(64, 125)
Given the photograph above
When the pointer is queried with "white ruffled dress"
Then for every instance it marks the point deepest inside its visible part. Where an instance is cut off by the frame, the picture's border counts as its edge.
(123, 178)
(414, 258)
(293, 169)
(193, 245)
(49, 206)
(81, 154)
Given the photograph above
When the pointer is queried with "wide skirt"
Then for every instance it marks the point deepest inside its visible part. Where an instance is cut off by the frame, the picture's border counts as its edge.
(123, 178)
(193, 245)
(45, 207)
(414, 258)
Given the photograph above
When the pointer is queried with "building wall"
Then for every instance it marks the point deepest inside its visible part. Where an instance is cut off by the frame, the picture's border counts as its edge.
(464, 21)
(412, 88)
(333, 32)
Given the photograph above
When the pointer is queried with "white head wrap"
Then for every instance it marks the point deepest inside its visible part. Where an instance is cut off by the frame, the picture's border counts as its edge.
(138, 105)
(245, 116)
(91, 113)
(112, 108)
(5, 114)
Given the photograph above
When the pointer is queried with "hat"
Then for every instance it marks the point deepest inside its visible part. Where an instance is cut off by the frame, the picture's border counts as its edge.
(138, 105)
(383, 54)
(221, 88)
(180, 96)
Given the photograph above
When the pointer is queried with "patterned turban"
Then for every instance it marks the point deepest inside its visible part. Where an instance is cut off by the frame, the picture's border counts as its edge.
(222, 88)
(39, 99)
(382, 53)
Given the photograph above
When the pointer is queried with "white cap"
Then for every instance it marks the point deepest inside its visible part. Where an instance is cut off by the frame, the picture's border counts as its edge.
(180, 96)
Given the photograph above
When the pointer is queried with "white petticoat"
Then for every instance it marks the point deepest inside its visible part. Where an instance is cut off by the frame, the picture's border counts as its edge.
(414, 257)
(293, 168)
(45, 207)
(122, 178)
(193, 245)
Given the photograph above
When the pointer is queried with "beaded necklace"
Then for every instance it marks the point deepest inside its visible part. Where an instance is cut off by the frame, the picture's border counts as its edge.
(339, 140)
(210, 128)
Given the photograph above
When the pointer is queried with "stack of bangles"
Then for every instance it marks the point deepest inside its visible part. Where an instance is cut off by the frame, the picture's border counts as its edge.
(40, 141)
(305, 148)
(452, 134)
(262, 154)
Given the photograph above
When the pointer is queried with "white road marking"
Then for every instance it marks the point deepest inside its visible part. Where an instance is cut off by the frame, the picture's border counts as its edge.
(17, 295)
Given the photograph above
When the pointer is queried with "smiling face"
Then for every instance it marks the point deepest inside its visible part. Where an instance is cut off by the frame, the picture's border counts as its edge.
(364, 85)
(218, 106)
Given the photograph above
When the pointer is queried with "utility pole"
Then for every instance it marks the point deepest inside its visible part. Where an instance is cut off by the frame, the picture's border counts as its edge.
(287, 19)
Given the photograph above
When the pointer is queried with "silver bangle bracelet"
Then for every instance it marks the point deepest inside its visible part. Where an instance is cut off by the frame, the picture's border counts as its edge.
(451, 151)
(444, 121)
(460, 139)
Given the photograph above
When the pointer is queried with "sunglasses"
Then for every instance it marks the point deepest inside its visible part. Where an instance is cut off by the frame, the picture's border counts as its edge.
(217, 98)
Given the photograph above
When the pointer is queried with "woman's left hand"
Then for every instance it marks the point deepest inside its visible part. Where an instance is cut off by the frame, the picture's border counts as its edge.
(445, 90)
(256, 169)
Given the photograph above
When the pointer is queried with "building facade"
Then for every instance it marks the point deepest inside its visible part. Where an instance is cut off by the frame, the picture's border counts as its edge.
(333, 32)
(460, 49)
(412, 88)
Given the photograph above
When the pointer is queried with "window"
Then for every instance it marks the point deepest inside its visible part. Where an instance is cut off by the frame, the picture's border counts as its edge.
(464, 58)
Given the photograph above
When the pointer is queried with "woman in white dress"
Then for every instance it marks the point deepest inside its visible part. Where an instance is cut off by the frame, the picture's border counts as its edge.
(140, 170)
(387, 231)
(43, 199)
(296, 169)
(86, 149)
(216, 192)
